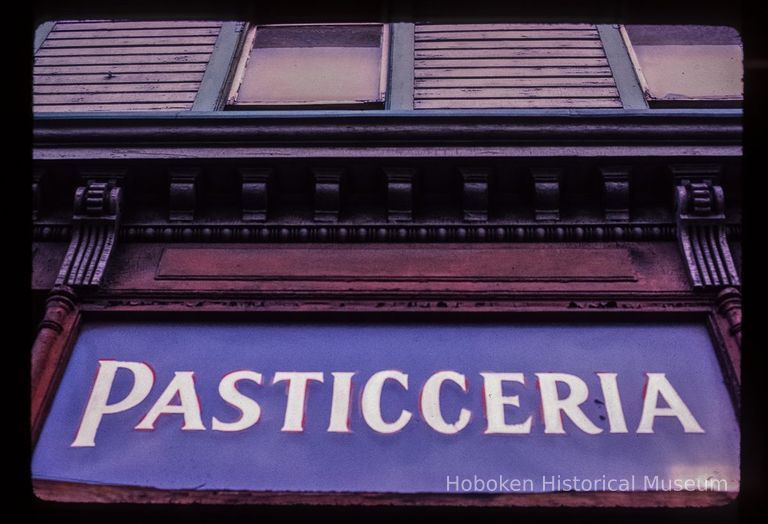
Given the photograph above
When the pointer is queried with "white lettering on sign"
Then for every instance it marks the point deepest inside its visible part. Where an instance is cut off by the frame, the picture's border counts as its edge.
(297, 397)
(553, 407)
(561, 395)
(430, 403)
(342, 398)
(657, 384)
(612, 400)
(248, 407)
(495, 401)
(97, 406)
(183, 385)
(372, 402)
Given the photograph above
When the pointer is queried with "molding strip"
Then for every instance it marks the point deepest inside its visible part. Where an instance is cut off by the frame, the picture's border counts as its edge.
(41, 33)
(621, 65)
(212, 92)
(400, 96)
(238, 233)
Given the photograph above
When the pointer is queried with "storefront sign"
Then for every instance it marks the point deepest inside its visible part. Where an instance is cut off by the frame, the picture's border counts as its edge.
(393, 407)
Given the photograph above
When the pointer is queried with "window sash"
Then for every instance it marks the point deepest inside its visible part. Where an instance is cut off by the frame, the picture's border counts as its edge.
(248, 48)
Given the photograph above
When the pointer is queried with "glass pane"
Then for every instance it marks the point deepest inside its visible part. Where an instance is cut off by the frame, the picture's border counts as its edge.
(681, 65)
(313, 65)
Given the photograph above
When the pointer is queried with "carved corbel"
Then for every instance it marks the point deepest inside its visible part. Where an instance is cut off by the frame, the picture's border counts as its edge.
(729, 306)
(94, 231)
(700, 214)
(37, 177)
(616, 193)
(255, 198)
(399, 194)
(475, 194)
(183, 194)
(114, 176)
(546, 183)
(327, 194)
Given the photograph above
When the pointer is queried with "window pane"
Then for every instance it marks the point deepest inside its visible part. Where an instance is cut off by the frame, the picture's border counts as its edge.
(297, 65)
(685, 65)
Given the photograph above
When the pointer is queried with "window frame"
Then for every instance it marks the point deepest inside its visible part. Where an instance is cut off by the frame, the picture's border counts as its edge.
(663, 103)
(668, 310)
(247, 48)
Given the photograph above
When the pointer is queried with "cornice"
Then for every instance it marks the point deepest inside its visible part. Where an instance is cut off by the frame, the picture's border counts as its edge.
(386, 134)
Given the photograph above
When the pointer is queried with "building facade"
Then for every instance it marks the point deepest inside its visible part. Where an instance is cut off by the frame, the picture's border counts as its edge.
(572, 186)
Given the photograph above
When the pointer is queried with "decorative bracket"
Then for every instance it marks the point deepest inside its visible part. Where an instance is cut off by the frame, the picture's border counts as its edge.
(546, 193)
(114, 176)
(399, 194)
(183, 194)
(327, 194)
(37, 177)
(255, 187)
(729, 306)
(94, 230)
(475, 194)
(700, 214)
(616, 193)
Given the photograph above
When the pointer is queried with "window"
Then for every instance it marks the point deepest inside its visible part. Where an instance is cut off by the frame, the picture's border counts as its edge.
(317, 66)
(685, 66)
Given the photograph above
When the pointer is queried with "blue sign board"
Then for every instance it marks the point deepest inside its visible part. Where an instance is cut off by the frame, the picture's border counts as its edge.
(393, 407)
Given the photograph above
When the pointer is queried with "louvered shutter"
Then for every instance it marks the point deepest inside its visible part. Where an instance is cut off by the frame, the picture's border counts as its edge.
(122, 66)
(494, 66)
